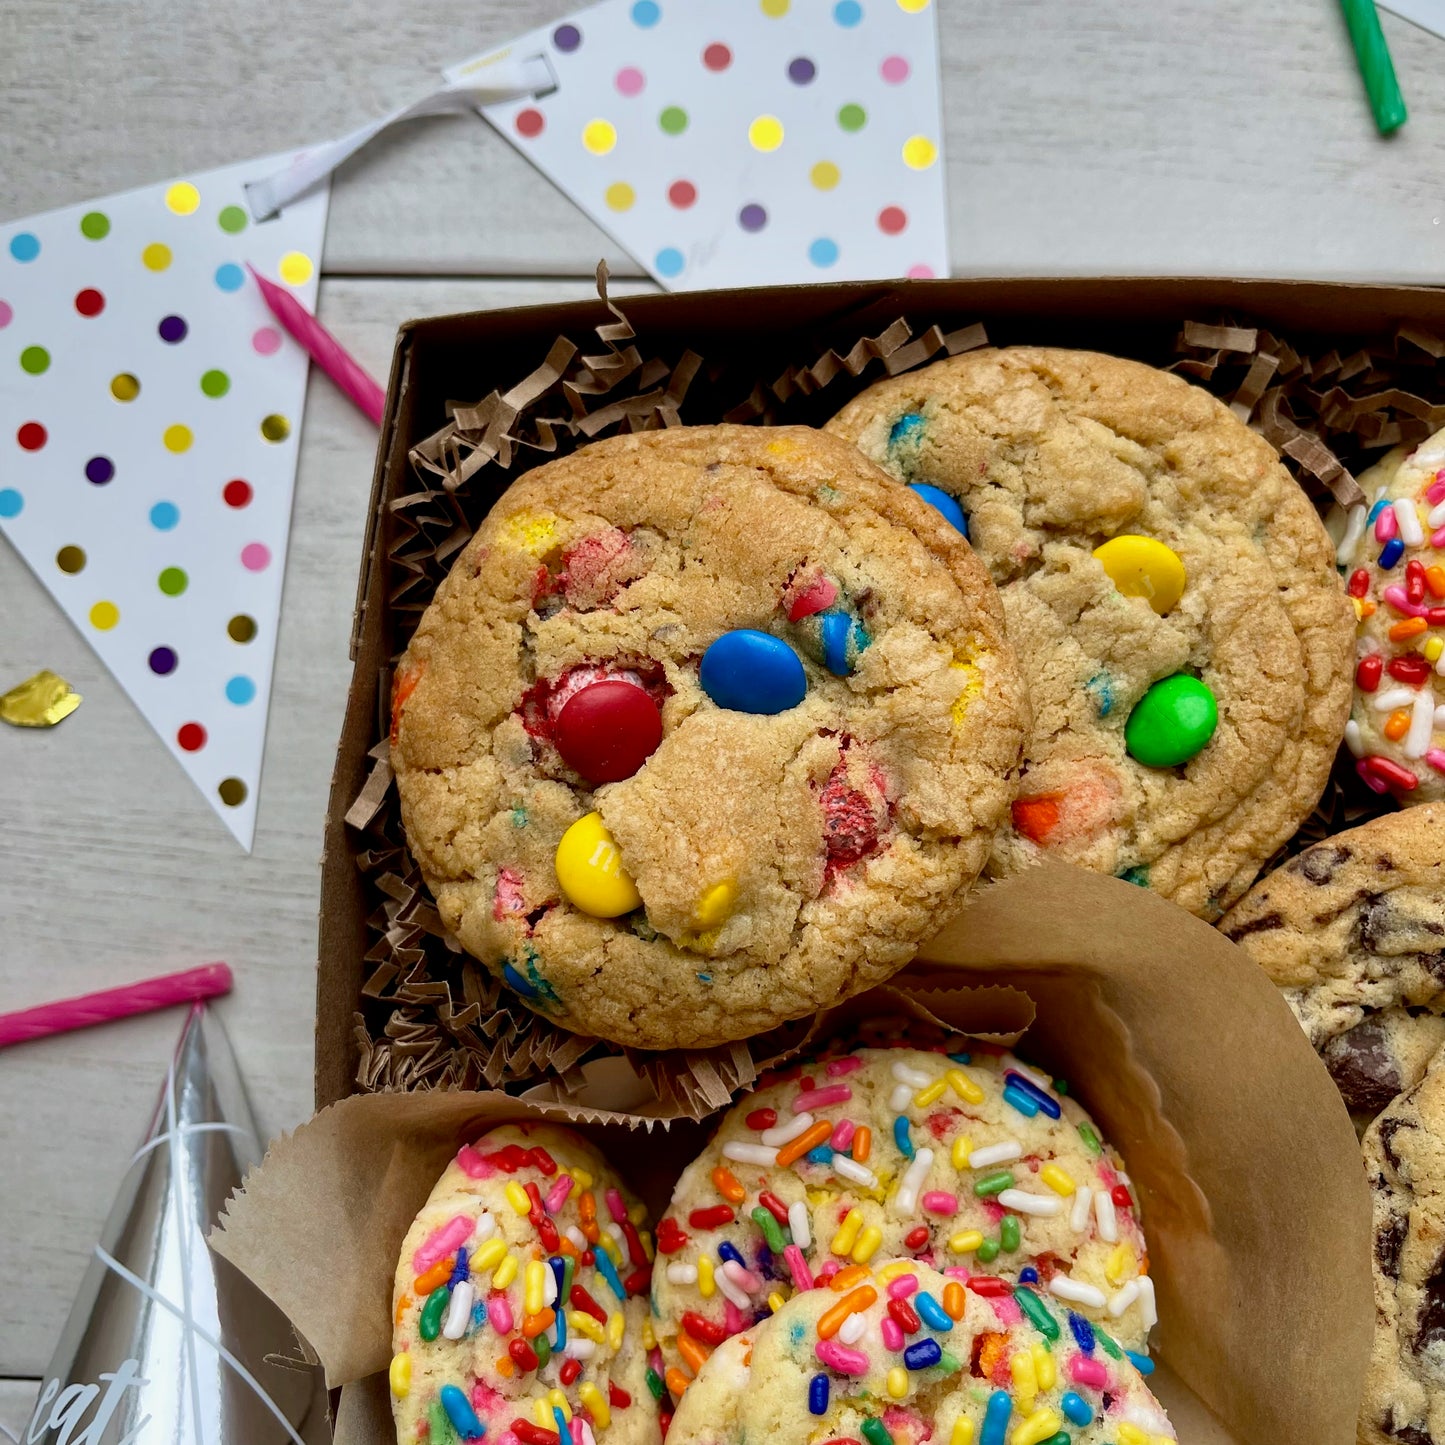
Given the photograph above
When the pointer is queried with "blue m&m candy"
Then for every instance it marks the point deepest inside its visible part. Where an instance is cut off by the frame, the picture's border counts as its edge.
(938, 499)
(842, 638)
(750, 671)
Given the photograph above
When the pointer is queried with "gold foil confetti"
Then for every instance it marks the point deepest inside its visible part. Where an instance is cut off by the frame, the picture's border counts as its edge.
(39, 702)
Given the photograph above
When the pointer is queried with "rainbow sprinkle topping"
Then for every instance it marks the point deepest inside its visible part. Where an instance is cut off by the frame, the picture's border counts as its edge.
(1400, 621)
(903, 1355)
(521, 1300)
(969, 1162)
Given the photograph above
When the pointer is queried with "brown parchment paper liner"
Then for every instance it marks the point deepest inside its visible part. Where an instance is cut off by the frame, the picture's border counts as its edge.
(429, 1016)
(1176, 1043)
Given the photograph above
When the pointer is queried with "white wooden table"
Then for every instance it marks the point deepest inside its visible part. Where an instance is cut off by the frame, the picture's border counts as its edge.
(1228, 137)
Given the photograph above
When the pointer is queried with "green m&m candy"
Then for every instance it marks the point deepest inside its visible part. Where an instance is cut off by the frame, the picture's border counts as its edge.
(1171, 722)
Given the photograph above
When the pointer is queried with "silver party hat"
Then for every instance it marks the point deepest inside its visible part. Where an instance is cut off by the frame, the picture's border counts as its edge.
(166, 1344)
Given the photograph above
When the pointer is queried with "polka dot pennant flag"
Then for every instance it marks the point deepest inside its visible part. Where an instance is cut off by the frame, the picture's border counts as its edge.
(743, 142)
(150, 411)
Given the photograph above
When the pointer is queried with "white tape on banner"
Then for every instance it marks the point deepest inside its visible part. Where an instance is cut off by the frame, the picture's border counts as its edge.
(507, 78)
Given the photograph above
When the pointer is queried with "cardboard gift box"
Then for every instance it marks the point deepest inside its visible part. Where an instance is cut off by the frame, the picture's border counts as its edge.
(1252, 1190)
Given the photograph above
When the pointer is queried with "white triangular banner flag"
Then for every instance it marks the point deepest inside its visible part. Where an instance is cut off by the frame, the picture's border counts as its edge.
(1427, 14)
(150, 415)
(726, 144)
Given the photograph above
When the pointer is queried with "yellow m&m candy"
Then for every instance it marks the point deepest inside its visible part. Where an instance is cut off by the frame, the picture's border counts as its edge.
(715, 905)
(590, 872)
(1143, 567)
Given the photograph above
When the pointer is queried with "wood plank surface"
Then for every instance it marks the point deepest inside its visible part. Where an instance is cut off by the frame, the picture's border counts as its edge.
(17, 1399)
(1171, 137)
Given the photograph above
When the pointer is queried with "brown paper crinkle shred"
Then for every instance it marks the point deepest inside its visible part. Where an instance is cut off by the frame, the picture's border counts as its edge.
(431, 1017)
(1325, 413)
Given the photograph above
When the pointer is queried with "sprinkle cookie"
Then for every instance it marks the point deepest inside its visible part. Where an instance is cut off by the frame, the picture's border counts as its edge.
(1353, 931)
(521, 1300)
(1404, 1400)
(1392, 548)
(903, 1355)
(705, 729)
(1170, 591)
(975, 1163)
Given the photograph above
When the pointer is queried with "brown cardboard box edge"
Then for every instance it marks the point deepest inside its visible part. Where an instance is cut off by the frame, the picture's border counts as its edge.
(483, 350)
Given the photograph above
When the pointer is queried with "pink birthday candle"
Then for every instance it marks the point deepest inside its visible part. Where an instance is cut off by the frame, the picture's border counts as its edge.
(208, 981)
(324, 349)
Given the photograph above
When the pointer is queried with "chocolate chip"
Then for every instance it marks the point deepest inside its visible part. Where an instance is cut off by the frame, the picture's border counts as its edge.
(1266, 924)
(1363, 1067)
(1319, 864)
(1394, 925)
(1430, 1323)
(1375, 923)
(1434, 965)
(1389, 1241)
(1410, 1434)
(1388, 1129)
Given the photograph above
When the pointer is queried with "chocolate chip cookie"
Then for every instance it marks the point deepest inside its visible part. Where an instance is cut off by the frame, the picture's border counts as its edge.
(1170, 591)
(706, 728)
(1404, 1400)
(1353, 931)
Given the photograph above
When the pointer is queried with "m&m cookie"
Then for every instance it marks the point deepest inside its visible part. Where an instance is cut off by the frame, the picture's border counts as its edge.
(705, 729)
(1171, 594)
(973, 1163)
(520, 1306)
(1393, 553)
(896, 1353)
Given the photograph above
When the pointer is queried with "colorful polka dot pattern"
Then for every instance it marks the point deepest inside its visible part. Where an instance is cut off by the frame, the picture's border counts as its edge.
(148, 416)
(759, 142)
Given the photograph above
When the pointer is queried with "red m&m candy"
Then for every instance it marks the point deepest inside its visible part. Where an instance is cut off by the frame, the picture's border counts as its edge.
(608, 729)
